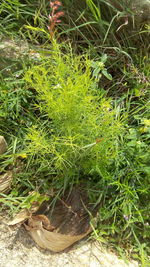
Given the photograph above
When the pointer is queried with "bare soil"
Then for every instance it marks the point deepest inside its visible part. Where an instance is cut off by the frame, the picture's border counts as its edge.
(18, 249)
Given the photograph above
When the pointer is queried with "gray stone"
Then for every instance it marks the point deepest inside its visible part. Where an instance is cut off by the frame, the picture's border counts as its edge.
(139, 10)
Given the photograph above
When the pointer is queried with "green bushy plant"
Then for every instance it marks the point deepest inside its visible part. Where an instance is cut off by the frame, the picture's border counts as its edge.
(81, 130)
(79, 138)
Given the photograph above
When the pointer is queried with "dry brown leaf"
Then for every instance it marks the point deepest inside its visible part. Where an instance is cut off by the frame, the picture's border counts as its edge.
(23, 215)
(53, 241)
(3, 145)
(57, 228)
(5, 181)
(20, 217)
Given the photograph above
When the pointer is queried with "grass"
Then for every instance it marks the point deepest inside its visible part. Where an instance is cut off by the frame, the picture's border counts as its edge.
(80, 114)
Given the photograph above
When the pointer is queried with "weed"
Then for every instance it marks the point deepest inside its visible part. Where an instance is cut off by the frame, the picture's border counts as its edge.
(82, 129)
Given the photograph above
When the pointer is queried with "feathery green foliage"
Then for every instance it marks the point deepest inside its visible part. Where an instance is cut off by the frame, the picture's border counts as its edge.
(82, 131)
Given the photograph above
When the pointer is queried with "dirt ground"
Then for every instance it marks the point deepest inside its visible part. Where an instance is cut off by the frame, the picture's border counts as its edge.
(18, 249)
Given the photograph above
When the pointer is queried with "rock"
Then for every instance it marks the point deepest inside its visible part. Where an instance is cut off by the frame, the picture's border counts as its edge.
(139, 10)
(3, 145)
